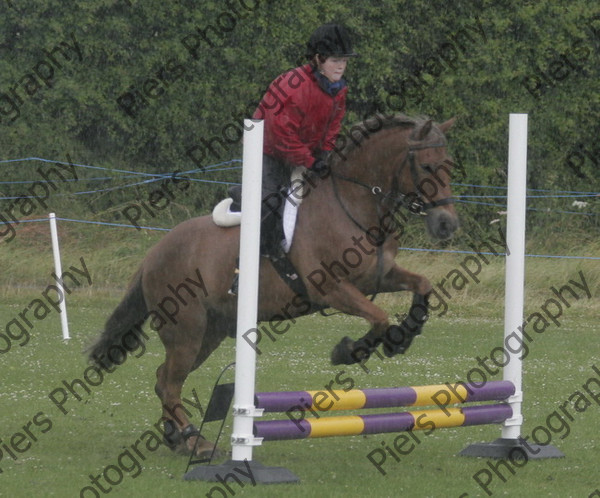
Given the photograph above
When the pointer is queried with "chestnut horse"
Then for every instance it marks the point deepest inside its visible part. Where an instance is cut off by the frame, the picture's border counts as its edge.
(345, 243)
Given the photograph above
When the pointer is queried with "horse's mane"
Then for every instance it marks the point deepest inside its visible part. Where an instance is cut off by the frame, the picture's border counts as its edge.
(363, 130)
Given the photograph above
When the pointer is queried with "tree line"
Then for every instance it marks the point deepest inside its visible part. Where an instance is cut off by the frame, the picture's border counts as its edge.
(163, 86)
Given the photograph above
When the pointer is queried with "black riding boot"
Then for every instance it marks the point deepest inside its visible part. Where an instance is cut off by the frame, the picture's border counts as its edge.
(275, 181)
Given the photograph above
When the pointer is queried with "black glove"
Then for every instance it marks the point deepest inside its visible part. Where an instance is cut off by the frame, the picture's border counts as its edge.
(321, 164)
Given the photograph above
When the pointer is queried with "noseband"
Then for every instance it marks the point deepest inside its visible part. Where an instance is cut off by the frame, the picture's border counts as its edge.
(418, 205)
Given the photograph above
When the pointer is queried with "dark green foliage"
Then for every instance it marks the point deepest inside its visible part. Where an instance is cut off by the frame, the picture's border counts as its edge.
(203, 66)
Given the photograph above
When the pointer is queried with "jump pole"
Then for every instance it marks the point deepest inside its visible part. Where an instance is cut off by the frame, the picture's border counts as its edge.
(296, 404)
(244, 411)
(511, 444)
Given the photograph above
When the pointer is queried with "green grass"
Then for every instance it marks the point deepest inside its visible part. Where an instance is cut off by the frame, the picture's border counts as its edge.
(121, 410)
(97, 429)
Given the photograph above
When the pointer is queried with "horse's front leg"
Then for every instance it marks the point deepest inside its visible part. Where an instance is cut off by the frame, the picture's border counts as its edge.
(398, 338)
(347, 298)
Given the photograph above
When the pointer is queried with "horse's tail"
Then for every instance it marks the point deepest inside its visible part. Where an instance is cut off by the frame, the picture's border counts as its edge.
(122, 331)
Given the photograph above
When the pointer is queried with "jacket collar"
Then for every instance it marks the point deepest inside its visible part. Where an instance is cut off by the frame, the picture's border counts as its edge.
(330, 88)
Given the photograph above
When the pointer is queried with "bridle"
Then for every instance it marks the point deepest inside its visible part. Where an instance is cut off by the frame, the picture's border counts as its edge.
(390, 201)
(394, 199)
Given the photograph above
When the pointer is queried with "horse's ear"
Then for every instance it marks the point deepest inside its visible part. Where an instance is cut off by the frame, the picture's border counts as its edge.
(447, 125)
(425, 129)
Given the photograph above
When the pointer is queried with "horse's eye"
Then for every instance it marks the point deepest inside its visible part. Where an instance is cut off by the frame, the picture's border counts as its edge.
(427, 167)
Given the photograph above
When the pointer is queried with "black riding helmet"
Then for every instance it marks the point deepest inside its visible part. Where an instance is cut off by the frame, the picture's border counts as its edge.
(330, 40)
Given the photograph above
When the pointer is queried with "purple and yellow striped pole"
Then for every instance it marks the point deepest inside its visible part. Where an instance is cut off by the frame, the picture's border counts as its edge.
(354, 399)
(273, 430)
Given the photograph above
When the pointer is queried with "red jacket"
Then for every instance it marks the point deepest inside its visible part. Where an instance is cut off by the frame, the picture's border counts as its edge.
(300, 117)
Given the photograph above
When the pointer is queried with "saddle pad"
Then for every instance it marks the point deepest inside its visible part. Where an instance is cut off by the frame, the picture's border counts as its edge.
(290, 210)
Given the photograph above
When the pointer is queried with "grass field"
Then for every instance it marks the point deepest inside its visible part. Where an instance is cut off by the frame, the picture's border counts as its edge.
(46, 452)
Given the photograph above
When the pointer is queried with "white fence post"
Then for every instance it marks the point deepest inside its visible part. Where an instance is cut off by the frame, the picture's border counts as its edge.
(58, 272)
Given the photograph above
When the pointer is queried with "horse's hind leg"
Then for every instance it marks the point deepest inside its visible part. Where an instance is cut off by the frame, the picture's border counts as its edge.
(171, 376)
(172, 433)
(182, 344)
(184, 355)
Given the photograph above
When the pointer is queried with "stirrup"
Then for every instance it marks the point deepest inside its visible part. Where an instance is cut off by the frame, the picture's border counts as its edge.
(233, 290)
(274, 252)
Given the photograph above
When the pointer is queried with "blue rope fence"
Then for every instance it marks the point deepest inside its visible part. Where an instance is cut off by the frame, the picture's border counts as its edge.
(154, 177)
(415, 249)
(117, 174)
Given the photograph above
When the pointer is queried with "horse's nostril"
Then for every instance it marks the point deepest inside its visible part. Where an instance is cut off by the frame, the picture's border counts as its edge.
(443, 231)
(442, 226)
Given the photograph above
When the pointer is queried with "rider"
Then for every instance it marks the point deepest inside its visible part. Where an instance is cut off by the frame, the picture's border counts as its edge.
(302, 112)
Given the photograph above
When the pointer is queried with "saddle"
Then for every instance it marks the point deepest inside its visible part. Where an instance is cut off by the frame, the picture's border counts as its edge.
(227, 213)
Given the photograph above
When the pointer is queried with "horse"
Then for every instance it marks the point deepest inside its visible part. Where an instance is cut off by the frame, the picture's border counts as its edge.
(344, 249)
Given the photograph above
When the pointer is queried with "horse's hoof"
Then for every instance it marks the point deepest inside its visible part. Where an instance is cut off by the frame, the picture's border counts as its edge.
(199, 445)
(342, 353)
(348, 352)
(210, 454)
